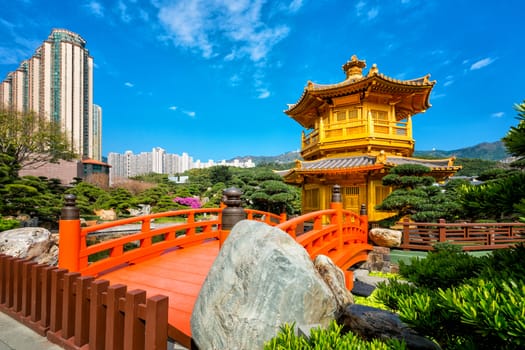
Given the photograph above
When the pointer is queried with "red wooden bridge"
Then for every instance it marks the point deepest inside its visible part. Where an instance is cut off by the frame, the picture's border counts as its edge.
(96, 298)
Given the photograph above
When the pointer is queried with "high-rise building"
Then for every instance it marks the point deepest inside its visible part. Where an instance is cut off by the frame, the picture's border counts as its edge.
(158, 161)
(57, 82)
(96, 132)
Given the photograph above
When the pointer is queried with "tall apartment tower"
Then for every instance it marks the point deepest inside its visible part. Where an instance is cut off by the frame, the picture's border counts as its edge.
(57, 82)
(96, 132)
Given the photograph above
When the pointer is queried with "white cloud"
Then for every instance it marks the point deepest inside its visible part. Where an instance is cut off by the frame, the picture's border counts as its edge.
(482, 63)
(235, 80)
(498, 114)
(209, 27)
(373, 13)
(359, 7)
(295, 5)
(96, 8)
(263, 93)
(172, 108)
(189, 113)
(123, 12)
(128, 84)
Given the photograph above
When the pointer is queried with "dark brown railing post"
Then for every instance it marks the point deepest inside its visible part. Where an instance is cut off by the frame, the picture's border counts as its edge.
(406, 233)
(69, 235)
(232, 213)
(442, 231)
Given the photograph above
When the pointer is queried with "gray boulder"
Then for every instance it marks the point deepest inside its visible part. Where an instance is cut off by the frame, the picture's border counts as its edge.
(260, 280)
(34, 243)
(371, 323)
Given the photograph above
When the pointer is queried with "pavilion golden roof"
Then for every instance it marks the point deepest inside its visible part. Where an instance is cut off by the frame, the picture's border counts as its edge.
(365, 163)
(409, 96)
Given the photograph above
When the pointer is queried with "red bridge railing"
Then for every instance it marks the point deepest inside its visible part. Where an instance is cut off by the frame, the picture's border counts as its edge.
(76, 311)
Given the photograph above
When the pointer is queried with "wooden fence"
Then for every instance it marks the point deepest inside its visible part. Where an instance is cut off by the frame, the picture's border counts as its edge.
(79, 312)
(471, 236)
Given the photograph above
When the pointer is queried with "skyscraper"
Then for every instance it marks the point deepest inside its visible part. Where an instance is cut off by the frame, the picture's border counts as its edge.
(57, 82)
(96, 132)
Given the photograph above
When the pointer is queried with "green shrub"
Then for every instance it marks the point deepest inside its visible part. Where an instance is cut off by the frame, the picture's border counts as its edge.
(480, 304)
(442, 268)
(8, 224)
(330, 338)
(492, 312)
(391, 293)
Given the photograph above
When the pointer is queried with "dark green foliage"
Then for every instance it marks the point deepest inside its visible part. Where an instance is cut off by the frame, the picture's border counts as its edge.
(8, 224)
(493, 200)
(410, 170)
(220, 173)
(417, 196)
(441, 269)
(463, 302)
(475, 166)
(515, 139)
(330, 338)
(493, 174)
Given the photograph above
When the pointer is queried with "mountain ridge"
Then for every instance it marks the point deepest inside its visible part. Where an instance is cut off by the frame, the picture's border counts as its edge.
(486, 151)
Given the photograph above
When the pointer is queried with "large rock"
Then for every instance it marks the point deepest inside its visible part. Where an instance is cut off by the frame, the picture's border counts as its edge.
(29, 242)
(260, 280)
(106, 215)
(385, 237)
(371, 323)
(335, 279)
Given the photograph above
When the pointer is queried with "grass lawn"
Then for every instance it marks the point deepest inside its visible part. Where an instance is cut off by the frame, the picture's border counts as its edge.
(397, 255)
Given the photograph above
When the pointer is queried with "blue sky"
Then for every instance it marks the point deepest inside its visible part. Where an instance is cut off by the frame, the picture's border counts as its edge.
(213, 77)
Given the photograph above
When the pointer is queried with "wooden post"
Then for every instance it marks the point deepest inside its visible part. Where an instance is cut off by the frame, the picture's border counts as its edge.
(232, 213)
(442, 230)
(69, 235)
(406, 233)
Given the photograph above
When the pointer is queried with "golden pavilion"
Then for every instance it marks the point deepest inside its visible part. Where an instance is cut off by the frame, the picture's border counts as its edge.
(357, 130)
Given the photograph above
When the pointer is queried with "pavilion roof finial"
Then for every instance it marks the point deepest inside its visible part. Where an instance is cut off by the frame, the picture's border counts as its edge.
(354, 68)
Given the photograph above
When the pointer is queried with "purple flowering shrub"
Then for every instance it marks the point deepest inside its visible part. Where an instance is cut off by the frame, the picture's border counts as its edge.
(191, 202)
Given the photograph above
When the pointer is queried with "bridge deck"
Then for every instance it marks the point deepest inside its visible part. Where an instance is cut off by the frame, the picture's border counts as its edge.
(178, 274)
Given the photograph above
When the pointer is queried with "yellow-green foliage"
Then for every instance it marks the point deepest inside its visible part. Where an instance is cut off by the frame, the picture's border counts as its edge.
(330, 338)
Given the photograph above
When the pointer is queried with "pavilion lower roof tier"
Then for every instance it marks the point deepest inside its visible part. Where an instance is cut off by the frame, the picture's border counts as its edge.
(440, 169)
(408, 96)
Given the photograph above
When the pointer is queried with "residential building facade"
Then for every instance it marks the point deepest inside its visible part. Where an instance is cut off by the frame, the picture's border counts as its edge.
(57, 82)
(123, 166)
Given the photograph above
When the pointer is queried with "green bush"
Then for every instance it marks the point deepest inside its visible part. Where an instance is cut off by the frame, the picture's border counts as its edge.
(330, 338)
(461, 301)
(492, 312)
(8, 224)
(442, 268)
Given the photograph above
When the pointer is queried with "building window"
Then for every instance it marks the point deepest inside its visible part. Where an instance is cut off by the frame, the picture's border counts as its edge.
(353, 116)
(340, 116)
(379, 117)
(311, 199)
(381, 193)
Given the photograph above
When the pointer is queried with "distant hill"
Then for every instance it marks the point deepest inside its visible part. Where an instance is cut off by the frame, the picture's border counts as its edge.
(284, 158)
(486, 151)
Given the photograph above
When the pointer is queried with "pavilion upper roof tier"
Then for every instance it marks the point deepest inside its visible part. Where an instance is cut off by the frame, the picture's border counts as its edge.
(408, 96)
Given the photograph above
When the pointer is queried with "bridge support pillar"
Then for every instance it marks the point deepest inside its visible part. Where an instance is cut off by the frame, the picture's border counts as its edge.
(69, 235)
(232, 213)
